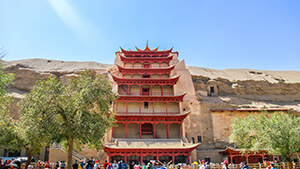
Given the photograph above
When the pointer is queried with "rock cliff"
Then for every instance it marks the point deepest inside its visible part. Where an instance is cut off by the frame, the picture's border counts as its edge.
(231, 88)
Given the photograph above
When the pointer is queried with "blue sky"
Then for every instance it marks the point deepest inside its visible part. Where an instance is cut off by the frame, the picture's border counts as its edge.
(221, 34)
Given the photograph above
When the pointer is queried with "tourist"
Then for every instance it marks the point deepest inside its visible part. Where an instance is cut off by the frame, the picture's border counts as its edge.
(207, 166)
(149, 166)
(82, 164)
(202, 164)
(225, 166)
(105, 164)
(144, 166)
(131, 166)
(96, 166)
(47, 165)
(89, 164)
(137, 166)
(56, 165)
(62, 165)
(109, 166)
(124, 165)
(115, 165)
(244, 165)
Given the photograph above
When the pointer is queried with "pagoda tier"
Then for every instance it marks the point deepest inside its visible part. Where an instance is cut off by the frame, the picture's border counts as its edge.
(146, 59)
(151, 118)
(166, 148)
(238, 155)
(148, 81)
(150, 70)
(146, 53)
(145, 98)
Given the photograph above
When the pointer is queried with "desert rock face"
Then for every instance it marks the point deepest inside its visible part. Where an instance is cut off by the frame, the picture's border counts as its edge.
(214, 89)
(28, 72)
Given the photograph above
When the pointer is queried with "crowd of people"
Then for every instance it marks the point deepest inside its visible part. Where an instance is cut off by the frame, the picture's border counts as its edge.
(152, 164)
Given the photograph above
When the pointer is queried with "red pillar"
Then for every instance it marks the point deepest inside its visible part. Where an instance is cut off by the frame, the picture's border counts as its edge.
(173, 87)
(141, 162)
(150, 90)
(181, 130)
(179, 107)
(125, 157)
(162, 90)
(140, 107)
(247, 160)
(168, 132)
(112, 132)
(189, 157)
(140, 130)
(109, 157)
(231, 159)
(126, 107)
(153, 106)
(173, 158)
(153, 130)
(166, 107)
(140, 89)
(129, 87)
(125, 130)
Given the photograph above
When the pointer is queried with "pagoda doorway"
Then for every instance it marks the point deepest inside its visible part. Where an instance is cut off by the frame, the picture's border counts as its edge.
(133, 158)
(117, 158)
(165, 158)
(147, 131)
(148, 158)
(181, 159)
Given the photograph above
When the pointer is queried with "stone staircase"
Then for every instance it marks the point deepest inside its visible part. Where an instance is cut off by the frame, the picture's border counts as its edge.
(75, 155)
(78, 157)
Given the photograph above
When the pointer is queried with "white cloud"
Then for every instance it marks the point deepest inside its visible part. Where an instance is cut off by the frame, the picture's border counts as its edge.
(80, 27)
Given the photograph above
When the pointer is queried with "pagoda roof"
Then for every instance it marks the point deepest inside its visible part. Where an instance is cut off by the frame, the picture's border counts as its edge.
(146, 59)
(147, 98)
(176, 118)
(149, 81)
(148, 144)
(145, 70)
(237, 151)
(146, 52)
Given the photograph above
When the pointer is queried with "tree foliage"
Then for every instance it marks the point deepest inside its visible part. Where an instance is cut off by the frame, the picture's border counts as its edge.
(78, 111)
(278, 133)
(16, 133)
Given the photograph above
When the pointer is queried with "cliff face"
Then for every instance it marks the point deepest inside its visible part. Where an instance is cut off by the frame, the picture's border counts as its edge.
(239, 89)
(28, 72)
(215, 89)
(248, 88)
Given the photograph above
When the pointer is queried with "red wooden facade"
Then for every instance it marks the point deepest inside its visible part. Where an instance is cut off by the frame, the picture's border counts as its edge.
(146, 121)
(236, 156)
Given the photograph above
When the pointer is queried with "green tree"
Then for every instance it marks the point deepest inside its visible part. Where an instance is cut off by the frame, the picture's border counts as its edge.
(278, 133)
(77, 112)
(16, 133)
(21, 133)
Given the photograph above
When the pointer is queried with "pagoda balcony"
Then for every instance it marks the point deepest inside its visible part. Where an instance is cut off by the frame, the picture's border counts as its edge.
(149, 126)
(148, 113)
(158, 60)
(124, 93)
(147, 67)
(144, 69)
(146, 53)
(149, 98)
(142, 81)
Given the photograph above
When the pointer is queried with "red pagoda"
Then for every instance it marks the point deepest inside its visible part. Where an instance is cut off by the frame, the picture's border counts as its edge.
(149, 117)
